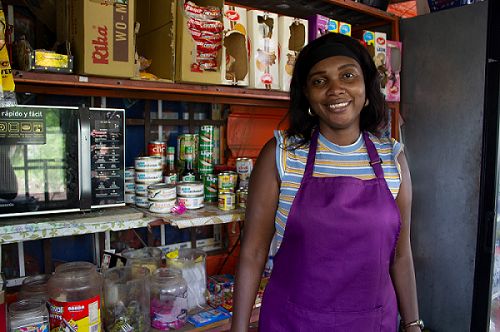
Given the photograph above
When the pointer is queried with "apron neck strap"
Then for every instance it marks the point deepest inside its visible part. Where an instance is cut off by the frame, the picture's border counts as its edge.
(375, 161)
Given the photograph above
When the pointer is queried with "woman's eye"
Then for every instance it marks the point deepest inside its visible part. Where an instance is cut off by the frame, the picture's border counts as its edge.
(348, 75)
(318, 81)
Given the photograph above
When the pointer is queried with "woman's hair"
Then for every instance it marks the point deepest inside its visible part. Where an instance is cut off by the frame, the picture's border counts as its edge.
(300, 123)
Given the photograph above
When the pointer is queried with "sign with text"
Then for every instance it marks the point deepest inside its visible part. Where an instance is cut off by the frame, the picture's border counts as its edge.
(22, 126)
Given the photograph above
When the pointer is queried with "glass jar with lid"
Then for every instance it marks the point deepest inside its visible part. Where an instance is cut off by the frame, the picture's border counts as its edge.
(35, 286)
(149, 257)
(169, 306)
(30, 314)
(75, 297)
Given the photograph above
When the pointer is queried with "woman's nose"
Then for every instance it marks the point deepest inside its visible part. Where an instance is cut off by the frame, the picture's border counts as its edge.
(336, 87)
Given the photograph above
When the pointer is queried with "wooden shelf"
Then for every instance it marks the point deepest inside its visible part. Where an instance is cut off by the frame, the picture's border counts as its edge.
(76, 85)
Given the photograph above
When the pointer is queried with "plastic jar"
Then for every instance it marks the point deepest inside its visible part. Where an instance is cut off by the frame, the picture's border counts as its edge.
(75, 297)
(30, 314)
(192, 263)
(126, 299)
(35, 286)
(169, 305)
(149, 257)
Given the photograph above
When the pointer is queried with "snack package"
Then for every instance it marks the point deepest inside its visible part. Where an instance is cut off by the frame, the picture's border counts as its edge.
(8, 96)
(210, 316)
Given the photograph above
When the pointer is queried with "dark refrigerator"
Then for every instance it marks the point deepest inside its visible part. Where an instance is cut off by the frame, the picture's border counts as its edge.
(450, 106)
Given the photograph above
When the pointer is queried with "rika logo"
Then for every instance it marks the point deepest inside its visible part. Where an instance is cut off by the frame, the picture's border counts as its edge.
(101, 50)
(232, 15)
(381, 41)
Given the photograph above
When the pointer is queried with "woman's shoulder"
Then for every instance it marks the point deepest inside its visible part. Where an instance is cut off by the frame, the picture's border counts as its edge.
(386, 142)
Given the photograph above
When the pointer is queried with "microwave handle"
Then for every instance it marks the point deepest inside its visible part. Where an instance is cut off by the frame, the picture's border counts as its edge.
(85, 162)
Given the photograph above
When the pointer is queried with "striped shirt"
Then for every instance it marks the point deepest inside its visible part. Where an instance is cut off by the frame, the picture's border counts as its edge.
(331, 160)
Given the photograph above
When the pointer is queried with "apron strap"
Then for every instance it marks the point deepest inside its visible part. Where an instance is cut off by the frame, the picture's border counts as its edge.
(311, 156)
(375, 161)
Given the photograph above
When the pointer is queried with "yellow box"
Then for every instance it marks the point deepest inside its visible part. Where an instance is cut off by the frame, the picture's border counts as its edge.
(293, 36)
(187, 69)
(333, 26)
(235, 68)
(263, 35)
(344, 28)
(101, 36)
(155, 39)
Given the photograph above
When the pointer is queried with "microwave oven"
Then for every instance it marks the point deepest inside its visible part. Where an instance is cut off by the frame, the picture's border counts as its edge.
(61, 159)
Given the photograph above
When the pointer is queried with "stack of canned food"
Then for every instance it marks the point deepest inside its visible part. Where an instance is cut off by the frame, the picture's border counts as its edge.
(151, 184)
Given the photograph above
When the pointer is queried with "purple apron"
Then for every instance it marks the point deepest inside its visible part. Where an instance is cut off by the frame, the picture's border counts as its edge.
(331, 272)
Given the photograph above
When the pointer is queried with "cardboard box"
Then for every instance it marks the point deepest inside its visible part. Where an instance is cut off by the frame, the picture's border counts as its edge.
(344, 28)
(155, 39)
(235, 68)
(380, 59)
(263, 34)
(394, 50)
(333, 26)
(101, 36)
(187, 68)
(293, 36)
(318, 26)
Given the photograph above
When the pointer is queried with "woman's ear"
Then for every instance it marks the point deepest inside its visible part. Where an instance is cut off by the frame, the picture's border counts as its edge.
(306, 93)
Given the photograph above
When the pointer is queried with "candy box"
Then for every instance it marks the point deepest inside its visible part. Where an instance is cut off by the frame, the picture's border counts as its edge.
(293, 36)
(344, 28)
(333, 26)
(235, 64)
(394, 68)
(318, 26)
(380, 59)
(263, 35)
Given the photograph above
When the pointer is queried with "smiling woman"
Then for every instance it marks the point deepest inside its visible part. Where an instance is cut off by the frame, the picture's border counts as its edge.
(359, 219)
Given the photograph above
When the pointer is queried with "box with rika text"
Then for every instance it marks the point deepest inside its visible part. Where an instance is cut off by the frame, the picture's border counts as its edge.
(293, 36)
(101, 35)
(263, 36)
(198, 41)
(235, 67)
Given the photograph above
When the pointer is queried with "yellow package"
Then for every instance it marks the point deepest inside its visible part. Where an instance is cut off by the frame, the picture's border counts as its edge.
(6, 71)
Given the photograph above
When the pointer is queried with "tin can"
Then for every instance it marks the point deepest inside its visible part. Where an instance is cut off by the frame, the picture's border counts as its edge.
(148, 163)
(206, 160)
(227, 200)
(243, 184)
(130, 198)
(183, 141)
(244, 167)
(206, 136)
(129, 186)
(149, 176)
(210, 182)
(241, 197)
(161, 192)
(192, 188)
(141, 201)
(161, 206)
(226, 181)
(216, 153)
(141, 188)
(158, 149)
(192, 202)
(129, 173)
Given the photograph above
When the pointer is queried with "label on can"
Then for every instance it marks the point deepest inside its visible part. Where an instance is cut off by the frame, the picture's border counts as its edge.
(148, 163)
(161, 192)
(130, 198)
(226, 181)
(227, 200)
(206, 136)
(81, 316)
(129, 186)
(141, 201)
(148, 176)
(241, 197)
(244, 167)
(210, 182)
(161, 206)
(129, 173)
(157, 149)
(183, 141)
(194, 202)
(205, 161)
(193, 188)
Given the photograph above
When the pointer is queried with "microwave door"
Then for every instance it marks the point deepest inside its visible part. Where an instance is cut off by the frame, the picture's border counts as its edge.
(39, 158)
(85, 160)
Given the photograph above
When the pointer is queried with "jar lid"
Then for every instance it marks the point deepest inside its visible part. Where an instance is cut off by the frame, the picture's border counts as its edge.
(28, 307)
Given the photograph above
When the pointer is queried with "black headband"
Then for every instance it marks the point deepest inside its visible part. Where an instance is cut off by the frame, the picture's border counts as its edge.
(322, 52)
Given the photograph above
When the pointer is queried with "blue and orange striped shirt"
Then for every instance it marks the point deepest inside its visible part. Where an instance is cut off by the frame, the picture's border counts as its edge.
(331, 160)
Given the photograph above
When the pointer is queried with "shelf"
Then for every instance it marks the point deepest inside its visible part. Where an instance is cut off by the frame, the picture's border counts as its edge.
(76, 85)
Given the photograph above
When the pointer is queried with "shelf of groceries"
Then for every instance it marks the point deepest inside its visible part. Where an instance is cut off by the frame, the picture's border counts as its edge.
(110, 219)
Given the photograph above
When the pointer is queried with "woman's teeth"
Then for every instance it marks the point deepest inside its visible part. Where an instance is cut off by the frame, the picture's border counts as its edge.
(338, 105)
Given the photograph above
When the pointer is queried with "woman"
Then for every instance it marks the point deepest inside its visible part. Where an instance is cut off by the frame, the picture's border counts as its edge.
(339, 199)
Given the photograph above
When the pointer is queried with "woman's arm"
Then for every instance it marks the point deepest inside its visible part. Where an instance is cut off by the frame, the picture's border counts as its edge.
(258, 233)
(402, 271)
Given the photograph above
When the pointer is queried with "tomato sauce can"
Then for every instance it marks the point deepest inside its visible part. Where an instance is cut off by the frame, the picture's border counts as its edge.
(227, 200)
(158, 149)
(210, 182)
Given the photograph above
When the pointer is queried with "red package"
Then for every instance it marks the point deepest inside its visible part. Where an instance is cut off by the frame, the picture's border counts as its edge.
(208, 64)
(200, 12)
(205, 36)
(206, 55)
(207, 47)
(205, 25)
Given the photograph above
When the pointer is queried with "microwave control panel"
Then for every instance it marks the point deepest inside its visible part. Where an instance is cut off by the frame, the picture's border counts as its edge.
(107, 132)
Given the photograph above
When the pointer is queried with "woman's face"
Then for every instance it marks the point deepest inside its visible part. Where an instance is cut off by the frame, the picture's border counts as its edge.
(335, 89)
